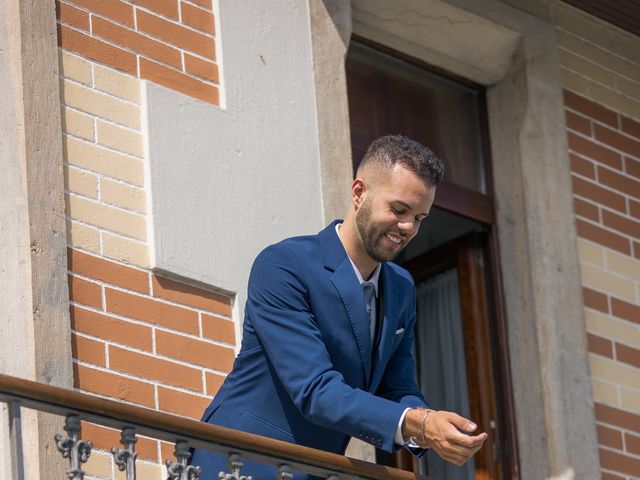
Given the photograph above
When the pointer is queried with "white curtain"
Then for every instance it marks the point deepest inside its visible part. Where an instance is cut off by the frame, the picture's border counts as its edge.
(442, 372)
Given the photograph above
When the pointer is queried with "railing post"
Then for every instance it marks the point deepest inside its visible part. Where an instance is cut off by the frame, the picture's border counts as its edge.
(181, 470)
(284, 472)
(125, 458)
(235, 465)
(77, 451)
(15, 429)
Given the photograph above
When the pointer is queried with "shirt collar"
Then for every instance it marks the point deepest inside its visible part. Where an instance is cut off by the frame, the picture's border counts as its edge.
(374, 276)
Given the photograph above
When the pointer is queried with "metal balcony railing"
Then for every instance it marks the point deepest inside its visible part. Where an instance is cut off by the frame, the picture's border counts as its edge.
(184, 433)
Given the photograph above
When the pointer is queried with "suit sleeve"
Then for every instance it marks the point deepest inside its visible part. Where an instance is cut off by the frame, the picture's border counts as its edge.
(278, 307)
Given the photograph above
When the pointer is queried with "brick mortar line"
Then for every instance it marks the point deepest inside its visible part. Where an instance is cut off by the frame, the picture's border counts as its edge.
(625, 453)
(129, 376)
(145, 323)
(599, 65)
(616, 427)
(160, 299)
(103, 229)
(598, 163)
(611, 316)
(142, 55)
(101, 175)
(613, 341)
(106, 147)
(157, 356)
(608, 188)
(593, 80)
(604, 105)
(100, 230)
(609, 209)
(594, 120)
(136, 30)
(608, 229)
(607, 249)
(602, 143)
(610, 270)
(618, 363)
(609, 52)
(140, 269)
(98, 90)
(110, 205)
(178, 22)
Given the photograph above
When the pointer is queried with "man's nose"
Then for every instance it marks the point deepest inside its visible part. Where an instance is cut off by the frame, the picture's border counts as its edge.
(407, 227)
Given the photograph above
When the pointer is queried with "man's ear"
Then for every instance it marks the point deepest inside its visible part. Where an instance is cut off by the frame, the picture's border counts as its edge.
(358, 191)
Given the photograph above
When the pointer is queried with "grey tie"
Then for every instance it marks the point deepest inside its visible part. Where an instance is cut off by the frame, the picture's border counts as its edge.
(369, 292)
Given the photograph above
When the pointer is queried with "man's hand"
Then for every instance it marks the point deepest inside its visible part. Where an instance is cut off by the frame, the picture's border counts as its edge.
(446, 432)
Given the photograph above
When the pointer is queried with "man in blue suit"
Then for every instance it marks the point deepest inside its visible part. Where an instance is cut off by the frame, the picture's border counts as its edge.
(328, 332)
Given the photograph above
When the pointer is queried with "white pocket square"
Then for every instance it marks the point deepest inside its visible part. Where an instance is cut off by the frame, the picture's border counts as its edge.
(399, 331)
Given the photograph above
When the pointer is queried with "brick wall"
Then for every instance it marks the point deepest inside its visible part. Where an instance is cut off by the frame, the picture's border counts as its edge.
(602, 106)
(136, 337)
(168, 42)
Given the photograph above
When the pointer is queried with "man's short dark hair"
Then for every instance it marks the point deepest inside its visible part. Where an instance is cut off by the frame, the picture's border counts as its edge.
(392, 149)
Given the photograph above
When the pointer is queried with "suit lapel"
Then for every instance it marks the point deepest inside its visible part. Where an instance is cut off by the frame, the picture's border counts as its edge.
(345, 282)
(389, 323)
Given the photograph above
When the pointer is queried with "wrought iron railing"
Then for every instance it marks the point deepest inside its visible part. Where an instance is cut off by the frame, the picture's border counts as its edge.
(184, 433)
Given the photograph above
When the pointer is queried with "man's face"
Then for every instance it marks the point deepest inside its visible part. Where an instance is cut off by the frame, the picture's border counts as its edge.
(391, 209)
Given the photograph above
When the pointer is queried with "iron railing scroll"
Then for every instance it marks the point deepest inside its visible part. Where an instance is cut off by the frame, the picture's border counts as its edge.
(182, 432)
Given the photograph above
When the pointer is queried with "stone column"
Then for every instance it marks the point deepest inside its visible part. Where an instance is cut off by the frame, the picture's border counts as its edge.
(36, 340)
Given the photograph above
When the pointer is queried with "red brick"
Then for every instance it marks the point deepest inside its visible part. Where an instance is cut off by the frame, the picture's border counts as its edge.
(97, 50)
(582, 166)
(603, 237)
(632, 167)
(179, 82)
(619, 182)
(214, 382)
(108, 271)
(636, 249)
(154, 368)
(113, 9)
(625, 310)
(578, 123)
(628, 355)
(113, 385)
(70, 15)
(104, 438)
(611, 476)
(111, 329)
(616, 417)
(621, 224)
(153, 311)
(630, 126)
(586, 209)
(599, 153)
(168, 8)
(634, 209)
(617, 140)
(180, 403)
(596, 300)
(219, 329)
(619, 462)
(87, 350)
(590, 109)
(596, 193)
(136, 42)
(197, 18)
(176, 34)
(632, 443)
(609, 437)
(201, 68)
(166, 452)
(190, 296)
(196, 352)
(599, 345)
(203, 3)
(84, 292)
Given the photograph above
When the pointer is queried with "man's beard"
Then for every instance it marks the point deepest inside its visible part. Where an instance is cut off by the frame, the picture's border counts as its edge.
(370, 235)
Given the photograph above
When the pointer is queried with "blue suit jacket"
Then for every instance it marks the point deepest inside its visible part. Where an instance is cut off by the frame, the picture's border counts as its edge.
(305, 372)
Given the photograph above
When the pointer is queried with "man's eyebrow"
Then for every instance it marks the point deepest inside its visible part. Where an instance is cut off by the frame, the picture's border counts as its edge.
(408, 207)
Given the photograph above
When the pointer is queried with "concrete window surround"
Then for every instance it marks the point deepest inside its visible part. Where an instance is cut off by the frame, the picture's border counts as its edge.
(515, 56)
